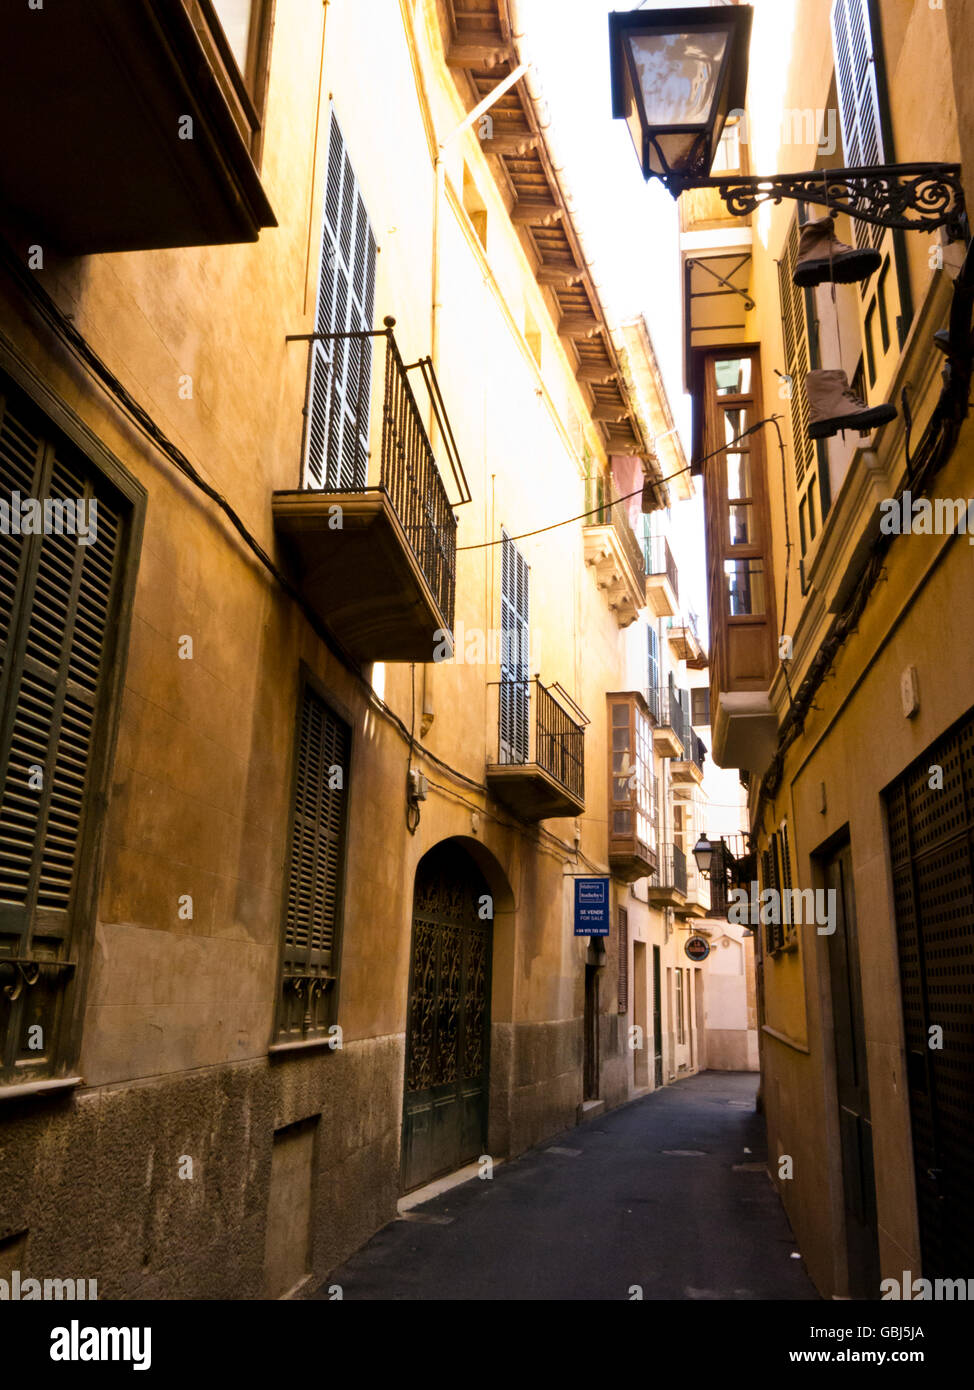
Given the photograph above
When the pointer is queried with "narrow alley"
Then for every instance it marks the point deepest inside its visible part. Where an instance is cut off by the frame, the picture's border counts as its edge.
(665, 1198)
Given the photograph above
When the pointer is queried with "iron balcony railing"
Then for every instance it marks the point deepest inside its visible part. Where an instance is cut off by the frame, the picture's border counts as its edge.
(688, 620)
(533, 727)
(664, 702)
(413, 482)
(335, 449)
(671, 871)
(696, 749)
(605, 509)
(659, 560)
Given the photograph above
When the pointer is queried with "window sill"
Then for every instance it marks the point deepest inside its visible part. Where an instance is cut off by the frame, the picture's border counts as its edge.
(37, 1088)
(305, 1045)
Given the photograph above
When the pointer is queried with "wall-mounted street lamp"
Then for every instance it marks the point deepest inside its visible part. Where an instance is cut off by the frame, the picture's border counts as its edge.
(723, 869)
(703, 853)
(676, 76)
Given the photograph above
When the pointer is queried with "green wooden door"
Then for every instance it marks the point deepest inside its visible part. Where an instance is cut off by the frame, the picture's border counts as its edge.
(448, 1019)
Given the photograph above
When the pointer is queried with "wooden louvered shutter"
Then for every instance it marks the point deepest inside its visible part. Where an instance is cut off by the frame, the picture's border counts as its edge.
(58, 601)
(514, 689)
(798, 356)
(313, 908)
(772, 879)
(341, 373)
(653, 669)
(858, 92)
(623, 960)
(785, 860)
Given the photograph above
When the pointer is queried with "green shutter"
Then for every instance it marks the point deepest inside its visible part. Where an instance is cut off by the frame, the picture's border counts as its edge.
(58, 601)
(317, 839)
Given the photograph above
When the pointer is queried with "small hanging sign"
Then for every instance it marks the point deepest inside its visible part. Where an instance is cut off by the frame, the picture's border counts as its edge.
(591, 907)
(697, 948)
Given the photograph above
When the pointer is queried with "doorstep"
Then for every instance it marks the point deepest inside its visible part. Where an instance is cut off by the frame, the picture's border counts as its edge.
(588, 1110)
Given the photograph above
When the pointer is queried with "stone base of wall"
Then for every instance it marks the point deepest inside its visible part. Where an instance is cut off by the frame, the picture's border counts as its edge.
(159, 1189)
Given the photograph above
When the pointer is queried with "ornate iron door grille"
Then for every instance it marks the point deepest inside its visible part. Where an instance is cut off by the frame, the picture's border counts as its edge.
(448, 1019)
(931, 838)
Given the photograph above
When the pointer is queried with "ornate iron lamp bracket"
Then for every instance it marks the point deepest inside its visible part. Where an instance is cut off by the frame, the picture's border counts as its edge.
(914, 197)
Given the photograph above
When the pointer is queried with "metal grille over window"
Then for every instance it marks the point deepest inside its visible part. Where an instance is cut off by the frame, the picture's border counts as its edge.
(341, 374)
(58, 598)
(316, 868)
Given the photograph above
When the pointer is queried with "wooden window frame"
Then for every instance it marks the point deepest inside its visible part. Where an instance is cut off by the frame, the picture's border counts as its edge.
(284, 1040)
(759, 548)
(810, 457)
(743, 647)
(79, 935)
(631, 843)
(248, 86)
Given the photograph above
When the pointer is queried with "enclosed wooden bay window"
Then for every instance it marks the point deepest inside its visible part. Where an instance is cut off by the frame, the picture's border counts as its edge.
(742, 620)
(632, 788)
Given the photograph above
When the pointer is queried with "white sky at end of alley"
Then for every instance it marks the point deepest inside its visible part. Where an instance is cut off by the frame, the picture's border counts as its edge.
(629, 229)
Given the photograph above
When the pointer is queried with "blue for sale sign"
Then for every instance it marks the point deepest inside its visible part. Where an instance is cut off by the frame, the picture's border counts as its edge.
(591, 907)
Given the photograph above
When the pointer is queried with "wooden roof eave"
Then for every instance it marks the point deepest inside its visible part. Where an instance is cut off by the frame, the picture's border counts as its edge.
(551, 208)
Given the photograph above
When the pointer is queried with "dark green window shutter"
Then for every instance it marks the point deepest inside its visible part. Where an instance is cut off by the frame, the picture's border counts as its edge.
(315, 868)
(341, 374)
(58, 601)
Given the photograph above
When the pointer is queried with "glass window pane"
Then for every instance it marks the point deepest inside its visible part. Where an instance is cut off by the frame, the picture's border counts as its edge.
(733, 376)
(234, 16)
(738, 476)
(741, 524)
(745, 587)
(736, 421)
(678, 75)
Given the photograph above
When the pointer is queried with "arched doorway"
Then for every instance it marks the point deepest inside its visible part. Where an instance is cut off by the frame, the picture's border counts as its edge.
(448, 1017)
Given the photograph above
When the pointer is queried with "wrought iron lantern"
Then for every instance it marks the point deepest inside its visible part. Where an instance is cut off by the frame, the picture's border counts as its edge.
(703, 853)
(678, 74)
